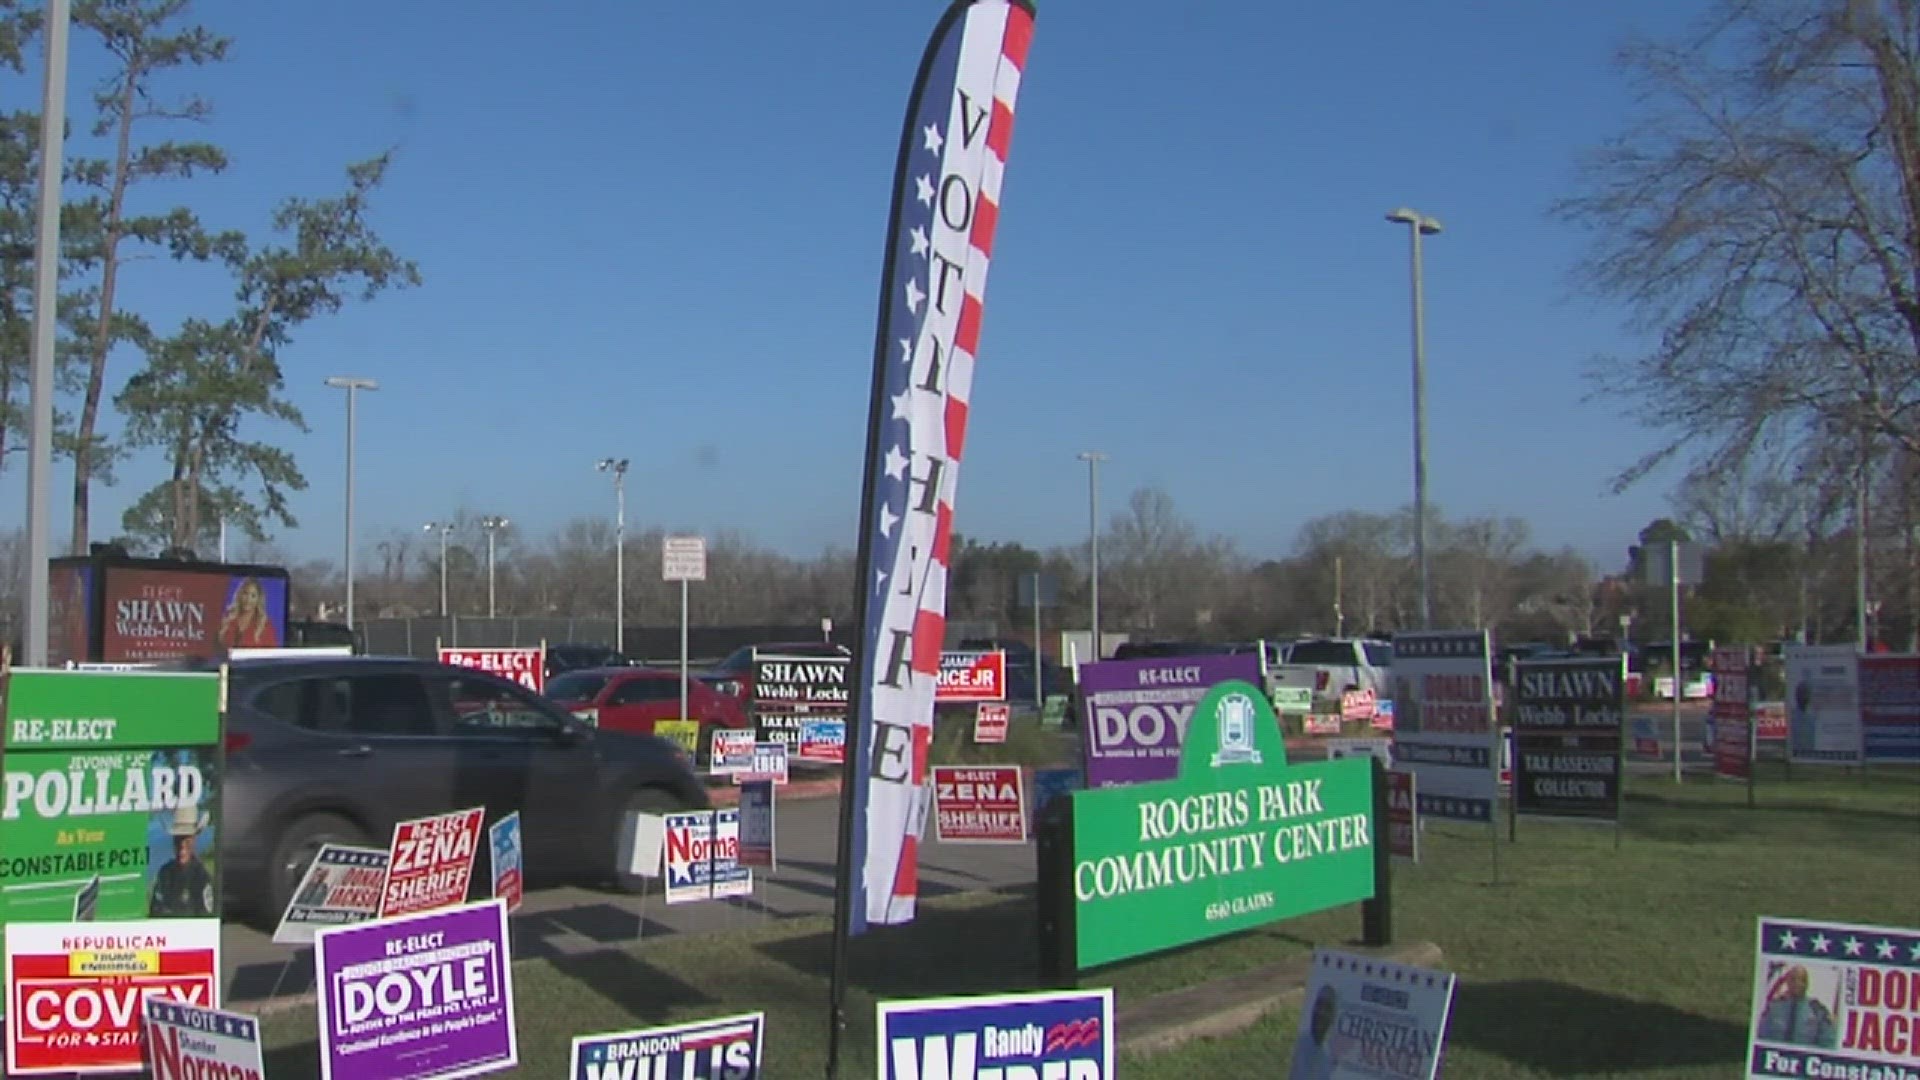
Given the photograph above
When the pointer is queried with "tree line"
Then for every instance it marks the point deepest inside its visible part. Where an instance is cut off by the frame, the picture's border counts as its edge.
(203, 393)
(1162, 578)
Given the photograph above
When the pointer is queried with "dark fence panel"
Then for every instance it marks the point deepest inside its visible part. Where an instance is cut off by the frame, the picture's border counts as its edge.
(422, 636)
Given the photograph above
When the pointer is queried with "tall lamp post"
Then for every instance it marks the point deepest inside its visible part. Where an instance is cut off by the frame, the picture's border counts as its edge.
(618, 467)
(352, 385)
(1093, 458)
(445, 529)
(492, 525)
(1419, 225)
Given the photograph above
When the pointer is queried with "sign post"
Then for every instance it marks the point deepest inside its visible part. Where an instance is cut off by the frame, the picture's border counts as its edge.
(1674, 565)
(683, 559)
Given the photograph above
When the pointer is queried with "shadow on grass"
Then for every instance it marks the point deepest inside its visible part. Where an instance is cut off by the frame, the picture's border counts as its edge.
(1543, 1025)
(1679, 818)
(991, 947)
(646, 992)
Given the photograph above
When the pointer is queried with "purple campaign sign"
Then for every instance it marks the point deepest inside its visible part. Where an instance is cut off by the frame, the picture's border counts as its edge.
(418, 997)
(1136, 711)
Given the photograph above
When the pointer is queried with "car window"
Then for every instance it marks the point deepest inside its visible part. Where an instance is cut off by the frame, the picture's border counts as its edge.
(575, 687)
(1379, 654)
(634, 691)
(1335, 653)
(375, 704)
(486, 707)
(314, 704)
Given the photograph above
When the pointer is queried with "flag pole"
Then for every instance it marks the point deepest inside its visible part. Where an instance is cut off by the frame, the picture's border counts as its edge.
(860, 665)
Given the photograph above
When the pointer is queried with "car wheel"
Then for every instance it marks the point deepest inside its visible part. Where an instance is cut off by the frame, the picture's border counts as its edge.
(295, 852)
(644, 800)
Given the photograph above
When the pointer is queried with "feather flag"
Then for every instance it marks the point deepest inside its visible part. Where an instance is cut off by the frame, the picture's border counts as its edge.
(946, 205)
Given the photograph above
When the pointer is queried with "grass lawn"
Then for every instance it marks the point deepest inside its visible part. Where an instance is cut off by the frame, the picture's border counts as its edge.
(1580, 961)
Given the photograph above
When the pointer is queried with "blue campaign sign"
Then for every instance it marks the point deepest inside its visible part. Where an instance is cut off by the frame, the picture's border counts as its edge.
(1066, 1035)
(727, 1047)
(1050, 782)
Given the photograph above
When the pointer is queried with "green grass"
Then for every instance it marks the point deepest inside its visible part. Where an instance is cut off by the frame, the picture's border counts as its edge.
(1580, 960)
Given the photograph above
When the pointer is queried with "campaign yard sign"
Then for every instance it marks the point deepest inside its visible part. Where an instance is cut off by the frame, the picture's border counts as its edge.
(526, 666)
(979, 804)
(111, 794)
(802, 683)
(185, 1042)
(1371, 1018)
(732, 752)
(757, 824)
(724, 1048)
(508, 861)
(1239, 839)
(430, 862)
(1403, 816)
(75, 991)
(1569, 723)
(1136, 711)
(1834, 1000)
(971, 676)
(1050, 782)
(1732, 715)
(422, 996)
(684, 734)
(1890, 708)
(1063, 1035)
(823, 741)
(702, 851)
(1443, 728)
(991, 721)
(343, 886)
(769, 762)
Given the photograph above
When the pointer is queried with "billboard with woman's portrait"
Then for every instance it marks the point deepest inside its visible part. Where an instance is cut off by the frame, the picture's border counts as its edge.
(160, 614)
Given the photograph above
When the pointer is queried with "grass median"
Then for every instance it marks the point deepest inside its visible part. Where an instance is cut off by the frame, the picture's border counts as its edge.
(1579, 960)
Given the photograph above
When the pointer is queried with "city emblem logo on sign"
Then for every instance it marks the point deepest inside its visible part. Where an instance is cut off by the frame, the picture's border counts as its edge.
(1236, 715)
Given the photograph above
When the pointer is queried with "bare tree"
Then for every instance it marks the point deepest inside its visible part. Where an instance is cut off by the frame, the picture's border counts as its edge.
(1764, 217)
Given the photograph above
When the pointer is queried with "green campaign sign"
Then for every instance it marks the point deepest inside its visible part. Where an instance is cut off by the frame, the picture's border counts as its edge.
(110, 798)
(1237, 840)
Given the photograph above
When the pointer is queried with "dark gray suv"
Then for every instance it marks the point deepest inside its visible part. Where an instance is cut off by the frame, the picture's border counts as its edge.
(338, 749)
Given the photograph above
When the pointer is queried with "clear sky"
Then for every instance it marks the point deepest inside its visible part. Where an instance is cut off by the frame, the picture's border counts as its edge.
(654, 231)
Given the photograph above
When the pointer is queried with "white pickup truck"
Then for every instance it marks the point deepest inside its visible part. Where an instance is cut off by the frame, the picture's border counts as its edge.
(1343, 664)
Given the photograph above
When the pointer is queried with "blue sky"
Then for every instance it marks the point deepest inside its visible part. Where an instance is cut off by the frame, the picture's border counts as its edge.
(654, 231)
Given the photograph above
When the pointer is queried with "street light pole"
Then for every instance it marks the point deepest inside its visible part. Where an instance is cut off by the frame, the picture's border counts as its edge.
(1419, 225)
(352, 385)
(1093, 458)
(492, 525)
(443, 528)
(618, 467)
(46, 296)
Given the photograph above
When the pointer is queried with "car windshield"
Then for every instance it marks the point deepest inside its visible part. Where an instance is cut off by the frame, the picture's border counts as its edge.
(1336, 653)
(579, 686)
(1379, 653)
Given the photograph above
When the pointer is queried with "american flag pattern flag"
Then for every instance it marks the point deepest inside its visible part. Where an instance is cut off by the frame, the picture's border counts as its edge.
(946, 206)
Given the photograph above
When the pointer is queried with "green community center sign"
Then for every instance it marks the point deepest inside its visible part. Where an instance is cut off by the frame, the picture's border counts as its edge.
(1240, 838)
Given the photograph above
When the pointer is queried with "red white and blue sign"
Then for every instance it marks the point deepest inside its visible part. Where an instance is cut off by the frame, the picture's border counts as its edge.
(1066, 1034)
(726, 1047)
(946, 209)
(1834, 999)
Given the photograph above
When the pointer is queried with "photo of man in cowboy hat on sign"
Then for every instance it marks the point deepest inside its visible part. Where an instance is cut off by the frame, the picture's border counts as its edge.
(183, 888)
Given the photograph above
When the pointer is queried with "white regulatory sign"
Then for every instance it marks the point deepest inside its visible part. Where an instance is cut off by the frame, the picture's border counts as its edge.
(683, 558)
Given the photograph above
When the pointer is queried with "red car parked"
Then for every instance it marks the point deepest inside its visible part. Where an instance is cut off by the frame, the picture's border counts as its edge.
(630, 699)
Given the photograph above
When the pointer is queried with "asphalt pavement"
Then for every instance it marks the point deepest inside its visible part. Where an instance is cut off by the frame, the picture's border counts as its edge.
(559, 922)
